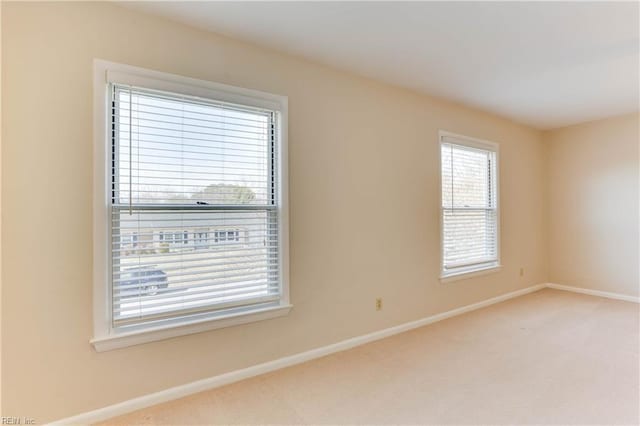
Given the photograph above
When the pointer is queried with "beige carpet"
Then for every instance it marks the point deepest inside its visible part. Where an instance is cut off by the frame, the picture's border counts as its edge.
(551, 357)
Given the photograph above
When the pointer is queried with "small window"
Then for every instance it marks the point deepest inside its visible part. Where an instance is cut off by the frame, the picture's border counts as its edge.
(226, 236)
(470, 238)
(201, 240)
(181, 160)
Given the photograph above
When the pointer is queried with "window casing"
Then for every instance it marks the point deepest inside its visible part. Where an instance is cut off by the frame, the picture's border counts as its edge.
(469, 206)
(190, 212)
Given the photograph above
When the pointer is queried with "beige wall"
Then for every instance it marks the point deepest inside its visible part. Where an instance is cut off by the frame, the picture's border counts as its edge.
(363, 191)
(593, 205)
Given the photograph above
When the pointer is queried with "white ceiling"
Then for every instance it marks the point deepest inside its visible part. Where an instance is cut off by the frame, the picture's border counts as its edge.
(543, 64)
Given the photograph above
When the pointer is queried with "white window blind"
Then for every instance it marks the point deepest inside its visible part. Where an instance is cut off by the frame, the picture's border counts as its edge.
(194, 215)
(469, 206)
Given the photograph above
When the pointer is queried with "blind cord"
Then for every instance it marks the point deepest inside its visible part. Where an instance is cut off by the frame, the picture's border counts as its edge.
(130, 154)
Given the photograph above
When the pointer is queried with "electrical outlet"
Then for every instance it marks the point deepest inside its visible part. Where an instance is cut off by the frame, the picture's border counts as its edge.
(379, 304)
(522, 272)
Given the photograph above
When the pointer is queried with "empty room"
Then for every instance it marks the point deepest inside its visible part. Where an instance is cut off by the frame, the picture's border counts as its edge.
(331, 213)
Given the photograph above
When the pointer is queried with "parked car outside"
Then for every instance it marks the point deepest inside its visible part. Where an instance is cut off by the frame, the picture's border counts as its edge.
(142, 281)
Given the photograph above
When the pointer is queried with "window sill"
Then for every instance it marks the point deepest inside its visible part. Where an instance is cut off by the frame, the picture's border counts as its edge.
(122, 340)
(458, 276)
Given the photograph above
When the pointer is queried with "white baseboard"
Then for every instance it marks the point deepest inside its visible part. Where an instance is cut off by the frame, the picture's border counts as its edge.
(598, 293)
(245, 373)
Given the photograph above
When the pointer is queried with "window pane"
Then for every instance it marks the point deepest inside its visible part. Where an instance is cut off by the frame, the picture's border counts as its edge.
(466, 176)
(469, 236)
(186, 151)
(153, 276)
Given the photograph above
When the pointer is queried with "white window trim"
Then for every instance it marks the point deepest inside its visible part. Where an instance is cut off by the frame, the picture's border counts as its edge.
(104, 336)
(488, 268)
(459, 276)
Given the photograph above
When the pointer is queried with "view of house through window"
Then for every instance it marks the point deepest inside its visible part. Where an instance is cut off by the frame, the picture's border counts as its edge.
(194, 223)
(469, 205)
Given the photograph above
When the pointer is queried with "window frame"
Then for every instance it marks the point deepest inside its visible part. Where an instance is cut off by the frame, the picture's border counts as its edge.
(105, 336)
(472, 270)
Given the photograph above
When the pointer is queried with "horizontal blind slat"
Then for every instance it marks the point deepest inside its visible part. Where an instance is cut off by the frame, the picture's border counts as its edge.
(191, 293)
(169, 311)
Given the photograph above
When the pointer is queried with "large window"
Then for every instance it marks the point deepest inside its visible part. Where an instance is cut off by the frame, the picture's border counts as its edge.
(194, 202)
(470, 239)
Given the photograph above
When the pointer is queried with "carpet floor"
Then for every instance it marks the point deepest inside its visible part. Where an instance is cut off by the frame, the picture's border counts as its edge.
(550, 357)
